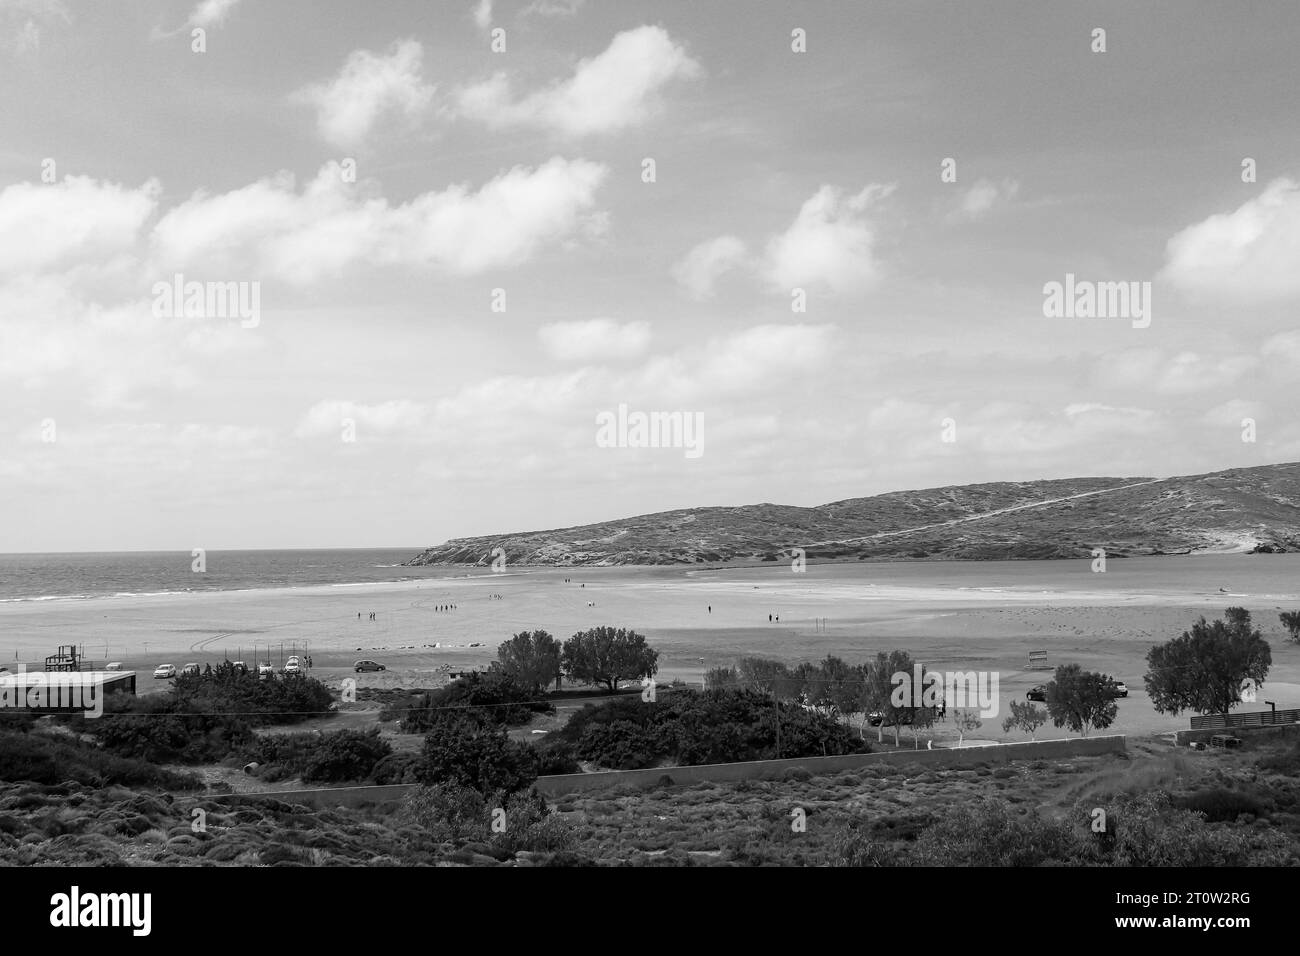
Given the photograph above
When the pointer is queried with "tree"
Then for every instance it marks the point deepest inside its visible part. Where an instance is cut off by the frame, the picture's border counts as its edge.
(607, 655)
(718, 677)
(532, 658)
(878, 690)
(922, 719)
(965, 721)
(1081, 699)
(1291, 621)
(1203, 670)
(1026, 717)
(769, 677)
(835, 686)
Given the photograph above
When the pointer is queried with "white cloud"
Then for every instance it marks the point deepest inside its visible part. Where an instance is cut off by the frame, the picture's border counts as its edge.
(326, 227)
(1283, 347)
(483, 14)
(1247, 256)
(1230, 413)
(211, 13)
(613, 90)
(594, 339)
(983, 196)
(706, 263)
(1186, 372)
(44, 226)
(830, 243)
(762, 356)
(368, 87)
(328, 417)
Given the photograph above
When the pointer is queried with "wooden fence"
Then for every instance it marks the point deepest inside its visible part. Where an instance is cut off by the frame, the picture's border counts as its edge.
(1251, 718)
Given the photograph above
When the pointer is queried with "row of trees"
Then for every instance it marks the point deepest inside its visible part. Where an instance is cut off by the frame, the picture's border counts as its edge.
(841, 689)
(602, 655)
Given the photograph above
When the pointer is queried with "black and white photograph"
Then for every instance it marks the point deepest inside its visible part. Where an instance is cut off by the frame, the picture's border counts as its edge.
(595, 435)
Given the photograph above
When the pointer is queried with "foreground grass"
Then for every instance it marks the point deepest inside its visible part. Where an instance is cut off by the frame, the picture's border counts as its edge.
(1246, 806)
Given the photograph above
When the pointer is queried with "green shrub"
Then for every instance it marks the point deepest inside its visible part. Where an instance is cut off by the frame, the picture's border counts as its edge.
(1222, 805)
(507, 823)
(50, 760)
(692, 727)
(463, 750)
(346, 755)
(492, 697)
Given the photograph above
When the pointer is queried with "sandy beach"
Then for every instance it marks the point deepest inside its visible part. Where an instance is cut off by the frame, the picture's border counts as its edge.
(953, 616)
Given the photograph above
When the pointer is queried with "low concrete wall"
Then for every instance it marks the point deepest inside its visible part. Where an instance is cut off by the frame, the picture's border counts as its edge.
(326, 797)
(717, 772)
(820, 766)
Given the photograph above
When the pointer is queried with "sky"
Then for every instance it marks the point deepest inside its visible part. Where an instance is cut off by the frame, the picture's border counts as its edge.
(464, 231)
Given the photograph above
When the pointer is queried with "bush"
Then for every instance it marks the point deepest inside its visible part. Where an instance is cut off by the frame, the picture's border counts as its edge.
(1150, 831)
(346, 755)
(463, 750)
(396, 768)
(204, 717)
(493, 697)
(1222, 805)
(693, 727)
(452, 813)
(39, 758)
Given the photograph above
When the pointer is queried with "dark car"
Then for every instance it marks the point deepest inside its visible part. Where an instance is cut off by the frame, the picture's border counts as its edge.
(360, 666)
(1118, 688)
(1037, 693)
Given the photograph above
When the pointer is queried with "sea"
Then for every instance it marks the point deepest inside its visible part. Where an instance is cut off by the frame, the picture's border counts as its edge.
(48, 577)
(87, 575)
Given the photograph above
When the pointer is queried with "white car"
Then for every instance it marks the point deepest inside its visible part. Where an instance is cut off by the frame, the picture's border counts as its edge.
(293, 666)
(163, 671)
(265, 671)
(190, 669)
(114, 666)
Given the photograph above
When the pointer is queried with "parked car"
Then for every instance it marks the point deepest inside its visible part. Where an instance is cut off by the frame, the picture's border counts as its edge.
(1037, 693)
(163, 671)
(190, 669)
(293, 666)
(360, 666)
(1119, 688)
(265, 671)
(114, 666)
(239, 666)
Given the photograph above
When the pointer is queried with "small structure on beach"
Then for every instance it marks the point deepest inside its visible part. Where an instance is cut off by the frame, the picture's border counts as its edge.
(1038, 661)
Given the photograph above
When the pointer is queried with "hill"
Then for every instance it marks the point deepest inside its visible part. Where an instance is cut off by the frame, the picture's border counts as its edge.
(1239, 510)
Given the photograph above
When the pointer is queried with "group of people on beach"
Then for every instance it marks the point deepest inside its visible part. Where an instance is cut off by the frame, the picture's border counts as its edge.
(445, 607)
(495, 597)
(372, 615)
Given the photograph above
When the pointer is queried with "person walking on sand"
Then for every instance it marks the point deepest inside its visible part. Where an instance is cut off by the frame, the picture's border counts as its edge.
(769, 619)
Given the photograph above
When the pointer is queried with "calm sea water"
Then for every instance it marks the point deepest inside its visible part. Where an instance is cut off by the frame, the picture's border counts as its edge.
(32, 577)
(37, 577)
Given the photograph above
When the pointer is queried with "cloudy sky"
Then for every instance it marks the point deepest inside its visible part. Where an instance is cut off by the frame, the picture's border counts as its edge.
(385, 177)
